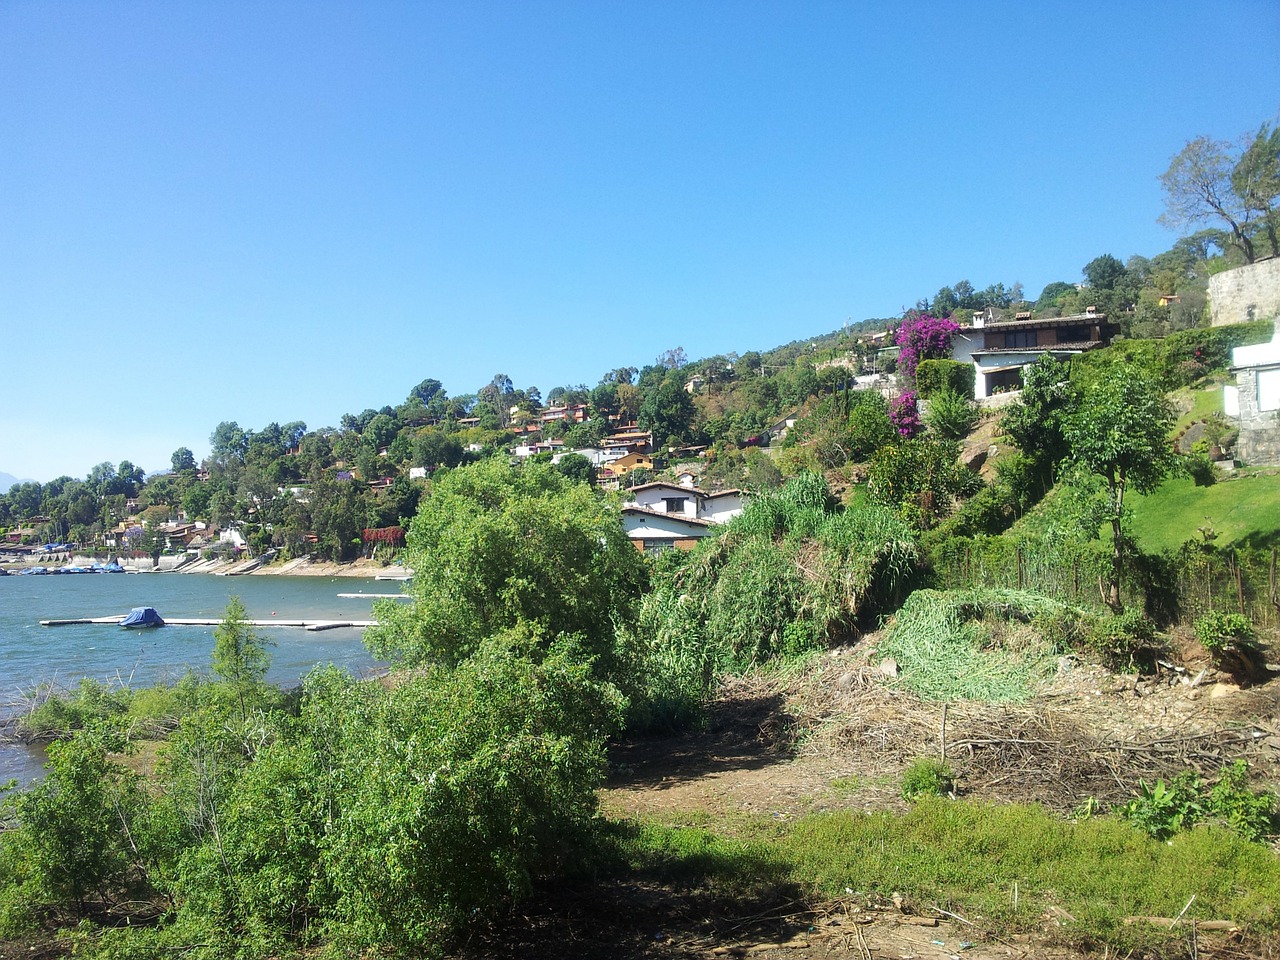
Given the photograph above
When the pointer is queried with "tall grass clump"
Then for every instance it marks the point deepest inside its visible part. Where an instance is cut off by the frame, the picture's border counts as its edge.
(792, 573)
(989, 645)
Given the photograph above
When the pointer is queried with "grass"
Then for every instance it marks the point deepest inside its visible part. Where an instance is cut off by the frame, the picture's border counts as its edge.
(1205, 402)
(970, 858)
(987, 645)
(1237, 508)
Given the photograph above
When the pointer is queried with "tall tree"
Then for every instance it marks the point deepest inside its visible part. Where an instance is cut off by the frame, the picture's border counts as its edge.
(1198, 189)
(1104, 273)
(182, 460)
(1256, 180)
(1120, 430)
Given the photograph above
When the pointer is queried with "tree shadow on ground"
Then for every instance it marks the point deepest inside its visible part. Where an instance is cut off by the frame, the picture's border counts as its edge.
(670, 898)
(742, 733)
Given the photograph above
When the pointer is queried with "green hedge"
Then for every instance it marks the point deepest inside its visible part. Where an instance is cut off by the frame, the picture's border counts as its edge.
(936, 376)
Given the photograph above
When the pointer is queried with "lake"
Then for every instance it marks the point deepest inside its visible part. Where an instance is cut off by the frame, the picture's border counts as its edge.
(32, 654)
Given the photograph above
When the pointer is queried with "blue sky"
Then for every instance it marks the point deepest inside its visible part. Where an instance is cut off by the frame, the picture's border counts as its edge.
(288, 211)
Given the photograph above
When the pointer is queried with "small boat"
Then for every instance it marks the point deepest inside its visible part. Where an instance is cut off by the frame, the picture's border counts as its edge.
(142, 617)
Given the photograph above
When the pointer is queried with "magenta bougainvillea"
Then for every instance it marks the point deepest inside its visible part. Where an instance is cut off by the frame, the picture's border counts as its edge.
(923, 338)
(904, 414)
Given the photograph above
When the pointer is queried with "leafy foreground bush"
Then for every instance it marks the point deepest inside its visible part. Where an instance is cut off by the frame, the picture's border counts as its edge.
(793, 572)
(376, 819)
(987, 645)
(497, 545)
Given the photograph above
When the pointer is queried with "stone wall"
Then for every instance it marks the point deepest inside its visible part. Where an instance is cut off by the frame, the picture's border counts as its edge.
(1259, 442)
(1245, 293)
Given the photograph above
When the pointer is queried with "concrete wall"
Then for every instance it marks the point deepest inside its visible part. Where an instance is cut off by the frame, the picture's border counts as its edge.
(1245, 293)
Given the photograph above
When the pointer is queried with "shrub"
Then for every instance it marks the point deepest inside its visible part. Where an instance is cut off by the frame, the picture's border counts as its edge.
(1217, 631)
(951, 415)
(923, 338)
(919, 478)
(940, 376)
(1202, 470)
(927, 777)
(1126, 640)
(1231, 642)
(904, 414)
(1162, 809)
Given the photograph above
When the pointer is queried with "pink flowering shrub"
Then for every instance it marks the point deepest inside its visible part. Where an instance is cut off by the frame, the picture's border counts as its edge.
(924, 338)
(904, 414)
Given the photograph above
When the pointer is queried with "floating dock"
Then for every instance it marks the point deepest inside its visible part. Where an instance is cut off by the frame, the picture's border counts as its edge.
(374, 596)
(314, 626)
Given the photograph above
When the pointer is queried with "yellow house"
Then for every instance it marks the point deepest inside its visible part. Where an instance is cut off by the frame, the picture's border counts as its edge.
(632, 461)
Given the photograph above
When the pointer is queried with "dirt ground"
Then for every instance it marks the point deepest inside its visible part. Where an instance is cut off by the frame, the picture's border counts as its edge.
(838, 737)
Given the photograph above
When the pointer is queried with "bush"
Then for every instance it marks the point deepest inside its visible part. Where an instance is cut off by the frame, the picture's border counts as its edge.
(919, 478)
(951, 416)
(1126, 640)
(1218, 631)
(1203, 471)
(927, 777)
(1231, 642)
(942, 376)
(1162, 809)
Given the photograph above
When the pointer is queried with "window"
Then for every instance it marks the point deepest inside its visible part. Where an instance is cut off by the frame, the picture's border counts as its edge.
(674, 504)
(1020, 338)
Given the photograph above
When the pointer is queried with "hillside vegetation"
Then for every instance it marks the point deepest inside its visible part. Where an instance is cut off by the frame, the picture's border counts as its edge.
(1029, 696)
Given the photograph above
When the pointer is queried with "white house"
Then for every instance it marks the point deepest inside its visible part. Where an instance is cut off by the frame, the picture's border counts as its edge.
(653, 532)
(673, 515)
(1254, 400)
(599, 456)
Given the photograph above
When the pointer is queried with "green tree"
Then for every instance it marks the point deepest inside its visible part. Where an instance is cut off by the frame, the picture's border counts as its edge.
(496, 544)
(1035, 422)
(1104, 273)
(667, 411)
(182, 460)
(1256, 180)
(1121, 431)
(577, 467)
(240, 657)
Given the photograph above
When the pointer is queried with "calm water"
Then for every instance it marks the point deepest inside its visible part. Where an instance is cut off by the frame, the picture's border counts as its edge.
(30, 653)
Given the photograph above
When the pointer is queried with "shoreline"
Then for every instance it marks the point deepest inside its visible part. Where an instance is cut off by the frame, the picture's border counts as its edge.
(302, 567)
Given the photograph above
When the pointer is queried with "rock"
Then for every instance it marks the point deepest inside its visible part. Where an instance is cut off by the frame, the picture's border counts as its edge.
(1220, 690)
(889, 667)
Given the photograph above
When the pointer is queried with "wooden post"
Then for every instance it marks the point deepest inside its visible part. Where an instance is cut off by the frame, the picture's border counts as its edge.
(942, 734)
(1235, 561)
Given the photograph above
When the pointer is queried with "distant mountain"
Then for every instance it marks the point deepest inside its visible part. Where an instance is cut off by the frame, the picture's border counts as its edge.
(8, 480)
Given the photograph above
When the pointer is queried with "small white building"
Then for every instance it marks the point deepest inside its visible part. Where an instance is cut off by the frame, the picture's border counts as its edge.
(1254, 400)
(653, 532)
(673, 515)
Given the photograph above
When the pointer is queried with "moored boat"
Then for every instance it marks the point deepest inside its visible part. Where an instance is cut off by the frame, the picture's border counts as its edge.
(142, 617)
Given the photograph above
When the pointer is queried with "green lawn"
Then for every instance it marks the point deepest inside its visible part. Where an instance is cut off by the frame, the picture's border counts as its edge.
(1246, 506)
(1204, 403)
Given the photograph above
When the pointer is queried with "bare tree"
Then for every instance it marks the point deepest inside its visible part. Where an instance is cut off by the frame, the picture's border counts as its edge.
(1198, 189)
